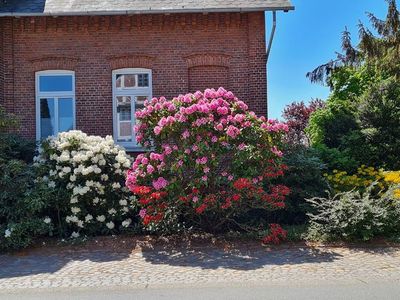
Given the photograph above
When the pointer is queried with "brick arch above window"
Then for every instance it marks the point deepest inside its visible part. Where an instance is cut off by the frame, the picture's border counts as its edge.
(54, 63)
(132, 61)
(208, 59)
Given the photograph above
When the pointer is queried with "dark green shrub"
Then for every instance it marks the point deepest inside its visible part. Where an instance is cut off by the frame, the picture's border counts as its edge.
(22, 202)
(305, 179)
(328, 125)
(379, 115)
(334, 159)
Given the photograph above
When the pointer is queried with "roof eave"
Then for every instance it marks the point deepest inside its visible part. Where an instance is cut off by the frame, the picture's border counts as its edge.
(149, 11)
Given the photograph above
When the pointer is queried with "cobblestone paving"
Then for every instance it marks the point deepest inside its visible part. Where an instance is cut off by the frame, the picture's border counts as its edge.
(196, 266)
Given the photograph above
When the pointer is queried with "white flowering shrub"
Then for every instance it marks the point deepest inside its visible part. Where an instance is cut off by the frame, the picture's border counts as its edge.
(87, 174)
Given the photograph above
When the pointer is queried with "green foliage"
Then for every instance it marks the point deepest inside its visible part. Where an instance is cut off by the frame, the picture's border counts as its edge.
(361, 122)
(335, 158)
(305, 179)
(348, 83)
(6, 120)
(349, 216)
(328, 125)
(379, 115)
(22, 201)
(16, 147)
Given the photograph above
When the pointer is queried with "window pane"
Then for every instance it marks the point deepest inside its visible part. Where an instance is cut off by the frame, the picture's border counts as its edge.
(65, 114)
(47, 117)
(55, 83)
(126, 81)
(140, 102)
(143, 80)
(124, 118)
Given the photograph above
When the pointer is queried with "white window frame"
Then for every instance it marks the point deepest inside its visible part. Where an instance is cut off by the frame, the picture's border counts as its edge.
(55, 96)
(133, 93)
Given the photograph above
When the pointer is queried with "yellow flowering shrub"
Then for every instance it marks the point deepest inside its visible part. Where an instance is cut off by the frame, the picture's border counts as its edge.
(341, 181)
(393, 178)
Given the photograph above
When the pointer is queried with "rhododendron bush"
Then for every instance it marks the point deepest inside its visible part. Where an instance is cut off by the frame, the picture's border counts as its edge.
(213, 160)
(87, 174)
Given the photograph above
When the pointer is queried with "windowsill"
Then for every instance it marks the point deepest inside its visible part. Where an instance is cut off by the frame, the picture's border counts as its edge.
(137, 149)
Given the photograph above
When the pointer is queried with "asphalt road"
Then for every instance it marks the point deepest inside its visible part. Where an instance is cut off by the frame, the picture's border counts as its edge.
(356, 290)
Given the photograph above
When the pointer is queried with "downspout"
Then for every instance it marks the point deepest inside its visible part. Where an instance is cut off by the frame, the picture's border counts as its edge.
(271, 39)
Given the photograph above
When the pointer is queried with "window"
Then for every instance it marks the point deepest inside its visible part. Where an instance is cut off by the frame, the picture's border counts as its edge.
(55, 102)
(131, 87)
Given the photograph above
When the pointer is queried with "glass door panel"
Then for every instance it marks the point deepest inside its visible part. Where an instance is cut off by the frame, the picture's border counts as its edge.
(47, 117)
(65, 114)
(124, 118)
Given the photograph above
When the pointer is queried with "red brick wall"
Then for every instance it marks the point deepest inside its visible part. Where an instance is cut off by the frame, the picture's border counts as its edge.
(203, 77)
(185, 52)
(1, 65)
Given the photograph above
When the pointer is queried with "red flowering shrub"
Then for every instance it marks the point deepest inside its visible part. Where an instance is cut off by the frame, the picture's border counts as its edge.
(277, 234)
(297, 116)
(212, 161)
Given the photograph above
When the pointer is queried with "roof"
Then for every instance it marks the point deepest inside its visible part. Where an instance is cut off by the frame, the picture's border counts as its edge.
(108, 7)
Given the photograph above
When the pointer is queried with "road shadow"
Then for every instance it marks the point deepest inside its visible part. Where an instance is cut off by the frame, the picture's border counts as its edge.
(237, 258)
(52, 258)
(15, 266)
(204, 253)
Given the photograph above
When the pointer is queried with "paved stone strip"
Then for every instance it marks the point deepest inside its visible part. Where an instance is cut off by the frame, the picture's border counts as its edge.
(102, 268)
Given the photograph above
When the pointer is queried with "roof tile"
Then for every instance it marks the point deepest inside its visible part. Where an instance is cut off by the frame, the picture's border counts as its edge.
(72, 7)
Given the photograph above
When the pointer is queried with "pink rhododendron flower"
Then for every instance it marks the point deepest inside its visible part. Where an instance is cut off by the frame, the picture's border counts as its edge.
(160, 183)
(232, 131)
(167, 150)
(209, 93)
(223, 110)
(156, 156)
(162, 122)
(242, 146)
(221, 92)
(198, 95)
(157, 130)
(229, 95)
(242, 105)
(186, 134)
(276, 151)
(203, 160)
(142, 213)
(246, 124)
(150, 169)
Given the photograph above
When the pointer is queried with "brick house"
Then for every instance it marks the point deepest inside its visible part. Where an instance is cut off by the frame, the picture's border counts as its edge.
(90, 64)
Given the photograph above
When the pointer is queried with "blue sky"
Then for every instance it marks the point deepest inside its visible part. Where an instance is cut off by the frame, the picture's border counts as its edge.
(306, 38)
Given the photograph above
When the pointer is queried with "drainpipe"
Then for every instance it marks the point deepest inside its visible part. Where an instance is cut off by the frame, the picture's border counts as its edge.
(268, 50)
(271, 38)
